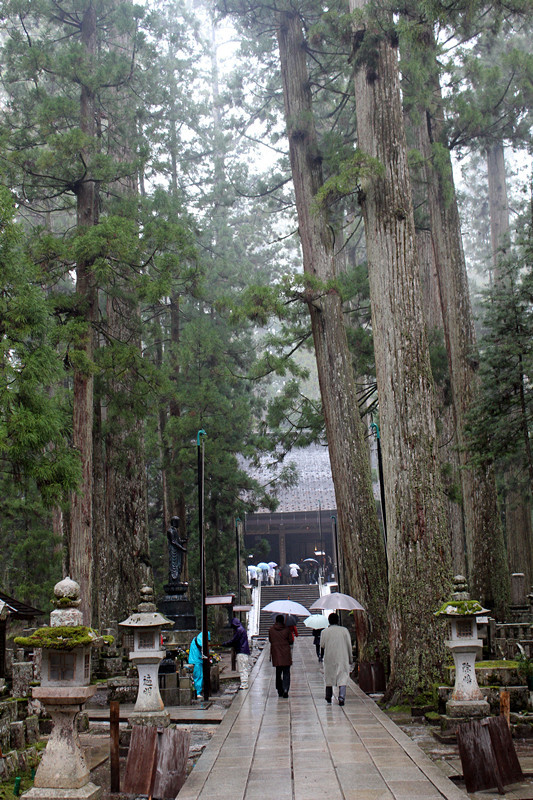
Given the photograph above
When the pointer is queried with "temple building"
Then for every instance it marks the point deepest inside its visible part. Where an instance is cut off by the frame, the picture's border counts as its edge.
(304, 524)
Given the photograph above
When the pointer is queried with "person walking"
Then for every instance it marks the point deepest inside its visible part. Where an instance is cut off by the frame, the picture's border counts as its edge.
(336, 650)
(316, 641)
(242, 650)
(281, 638)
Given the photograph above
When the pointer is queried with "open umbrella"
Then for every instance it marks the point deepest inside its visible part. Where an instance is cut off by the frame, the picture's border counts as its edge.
(272, 564)
(262, 565)
(316, 622)
(336, 601)
(311, 559)
(287, 607)
(295, 565)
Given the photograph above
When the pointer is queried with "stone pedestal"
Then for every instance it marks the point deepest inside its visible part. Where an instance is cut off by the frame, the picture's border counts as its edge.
(467, 698)
(176, 606)
(63, 764)
(149, 707)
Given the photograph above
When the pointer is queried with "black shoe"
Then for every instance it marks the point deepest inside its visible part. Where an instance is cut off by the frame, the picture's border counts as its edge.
(341, 701)
(285, 694)
(328, 700)
(280, 694)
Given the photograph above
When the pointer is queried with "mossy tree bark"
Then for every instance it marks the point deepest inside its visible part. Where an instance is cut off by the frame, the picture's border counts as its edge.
(485, 549)
(418, 547)
(359, 532)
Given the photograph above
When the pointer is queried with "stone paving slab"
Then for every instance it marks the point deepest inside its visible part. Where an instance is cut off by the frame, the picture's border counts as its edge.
(301, 748)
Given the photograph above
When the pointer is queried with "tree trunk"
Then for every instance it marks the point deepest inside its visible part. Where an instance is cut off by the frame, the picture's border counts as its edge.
(80, 544)
(359, 532)
(486, 559)
(518, 528)
(448, 450)
(498, 205)
(126, 564)
(418, 548)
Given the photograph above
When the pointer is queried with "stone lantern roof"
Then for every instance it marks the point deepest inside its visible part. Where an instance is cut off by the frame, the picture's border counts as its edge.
(147, 615)
(460, 604)
(66, 630)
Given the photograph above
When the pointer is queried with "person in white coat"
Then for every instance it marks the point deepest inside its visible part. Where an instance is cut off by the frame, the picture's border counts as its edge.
(336, 649)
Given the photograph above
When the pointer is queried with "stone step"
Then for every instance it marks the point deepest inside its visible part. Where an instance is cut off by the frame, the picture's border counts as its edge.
(305, 594)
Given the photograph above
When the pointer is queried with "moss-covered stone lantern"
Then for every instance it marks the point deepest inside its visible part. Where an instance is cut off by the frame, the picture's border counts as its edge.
(467, 699)
(65, 686)
(147, 653)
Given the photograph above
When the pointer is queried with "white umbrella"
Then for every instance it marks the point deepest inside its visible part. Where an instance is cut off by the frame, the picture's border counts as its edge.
(272, 564)
(287, 607)
(295, 565)
(311, 559)
(316, 621)
(336, 601)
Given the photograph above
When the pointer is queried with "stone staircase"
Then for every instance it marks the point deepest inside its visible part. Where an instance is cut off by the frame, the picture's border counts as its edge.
(304, 593)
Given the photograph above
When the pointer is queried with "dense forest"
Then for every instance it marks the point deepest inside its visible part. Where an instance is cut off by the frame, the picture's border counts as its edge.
(275, 222)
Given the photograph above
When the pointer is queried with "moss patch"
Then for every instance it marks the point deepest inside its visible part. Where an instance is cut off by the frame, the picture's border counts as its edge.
(60, 638)
(460, 608)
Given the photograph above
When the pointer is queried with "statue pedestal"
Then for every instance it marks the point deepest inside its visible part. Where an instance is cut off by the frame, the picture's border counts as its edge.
(63, 773)
(176, 606)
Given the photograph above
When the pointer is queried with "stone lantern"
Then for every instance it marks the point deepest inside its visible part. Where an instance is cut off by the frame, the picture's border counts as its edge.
(467, 699)
(145, 625)
(65, 678)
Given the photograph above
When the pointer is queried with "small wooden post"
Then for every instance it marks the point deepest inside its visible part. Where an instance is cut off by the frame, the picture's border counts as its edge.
(114, 760)
(505, 706)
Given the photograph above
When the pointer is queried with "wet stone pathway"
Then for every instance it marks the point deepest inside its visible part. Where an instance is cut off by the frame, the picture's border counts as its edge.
(300, 748)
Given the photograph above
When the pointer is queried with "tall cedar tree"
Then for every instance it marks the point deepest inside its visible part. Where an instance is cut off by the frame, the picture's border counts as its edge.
(485, 550)
(495, 110)
(38, 466)
(63, 69)
(418, 547)
(362, 544)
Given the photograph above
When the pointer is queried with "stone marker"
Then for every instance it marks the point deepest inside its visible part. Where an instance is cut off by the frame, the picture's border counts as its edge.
(467, 699)
(146, 624)
(65, 677)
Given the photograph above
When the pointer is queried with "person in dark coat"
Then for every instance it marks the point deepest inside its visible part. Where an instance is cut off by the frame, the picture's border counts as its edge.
(316, 641)
(281, 638)
(242, 650)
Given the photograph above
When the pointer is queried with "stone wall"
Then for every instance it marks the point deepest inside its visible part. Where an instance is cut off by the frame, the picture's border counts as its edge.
(19, 732)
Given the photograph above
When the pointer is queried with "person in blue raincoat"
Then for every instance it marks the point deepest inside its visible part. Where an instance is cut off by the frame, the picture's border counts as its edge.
(195, 658)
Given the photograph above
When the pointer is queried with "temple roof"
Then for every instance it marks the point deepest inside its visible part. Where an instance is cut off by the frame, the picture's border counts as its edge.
(315, 484)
